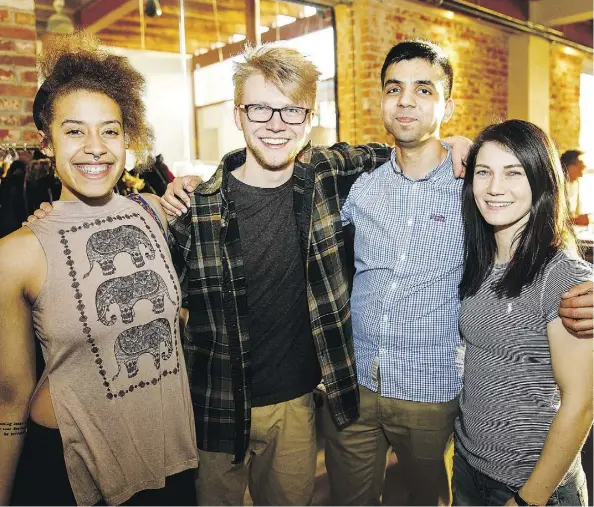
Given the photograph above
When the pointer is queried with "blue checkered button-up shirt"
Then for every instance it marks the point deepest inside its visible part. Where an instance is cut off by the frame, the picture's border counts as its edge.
(408, 260)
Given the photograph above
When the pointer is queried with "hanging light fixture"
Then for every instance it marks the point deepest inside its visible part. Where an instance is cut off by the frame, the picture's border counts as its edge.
(153, 8)
(59, 22)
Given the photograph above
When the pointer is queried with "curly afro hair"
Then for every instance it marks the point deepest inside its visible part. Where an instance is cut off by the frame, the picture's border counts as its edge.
(76, 62)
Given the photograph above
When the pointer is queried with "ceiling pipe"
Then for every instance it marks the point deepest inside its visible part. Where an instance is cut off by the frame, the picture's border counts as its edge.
(476, 11)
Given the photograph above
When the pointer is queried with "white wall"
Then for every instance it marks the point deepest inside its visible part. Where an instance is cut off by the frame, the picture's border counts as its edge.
(217, 132)
(168, 101)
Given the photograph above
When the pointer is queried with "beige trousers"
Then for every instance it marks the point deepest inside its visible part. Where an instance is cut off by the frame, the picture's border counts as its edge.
(280, 463)
(421, 435)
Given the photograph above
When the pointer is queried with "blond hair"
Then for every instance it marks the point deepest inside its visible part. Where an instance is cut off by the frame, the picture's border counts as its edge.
(285, 68)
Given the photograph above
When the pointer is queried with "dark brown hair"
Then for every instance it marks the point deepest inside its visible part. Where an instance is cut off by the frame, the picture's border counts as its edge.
(424, 50)
(76, 62)
(548, 228)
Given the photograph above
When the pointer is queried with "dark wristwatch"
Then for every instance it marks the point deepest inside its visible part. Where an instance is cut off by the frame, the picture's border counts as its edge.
(520, 501)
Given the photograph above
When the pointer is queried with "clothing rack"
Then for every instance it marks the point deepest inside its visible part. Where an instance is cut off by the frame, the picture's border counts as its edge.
(19, 146)
(9, 152)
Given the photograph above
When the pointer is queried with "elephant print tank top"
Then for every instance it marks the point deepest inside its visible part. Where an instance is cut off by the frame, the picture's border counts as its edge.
(107, 320)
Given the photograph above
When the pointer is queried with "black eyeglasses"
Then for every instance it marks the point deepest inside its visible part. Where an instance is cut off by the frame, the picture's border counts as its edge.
(259, 113)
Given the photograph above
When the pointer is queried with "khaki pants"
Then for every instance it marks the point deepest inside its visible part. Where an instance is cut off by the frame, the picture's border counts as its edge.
(421, 435)
(280, 463)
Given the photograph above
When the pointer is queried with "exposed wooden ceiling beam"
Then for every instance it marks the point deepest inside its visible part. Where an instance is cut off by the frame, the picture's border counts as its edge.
(554, 12)
(239, 7)
(117, 22)
(205, 37)
(235, 24)
(99, 14)
(150, 45)
(300, 27)
(235, 18)
(513, 8)
(579, 32)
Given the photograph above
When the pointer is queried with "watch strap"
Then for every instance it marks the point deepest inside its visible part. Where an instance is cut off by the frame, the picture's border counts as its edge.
(520, 501)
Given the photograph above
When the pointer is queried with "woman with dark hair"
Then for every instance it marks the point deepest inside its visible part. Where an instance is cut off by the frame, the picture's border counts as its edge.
(111, 418)
(526, 404)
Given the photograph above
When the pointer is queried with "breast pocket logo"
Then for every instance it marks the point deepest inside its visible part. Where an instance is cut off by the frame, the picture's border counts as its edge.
(437, 218)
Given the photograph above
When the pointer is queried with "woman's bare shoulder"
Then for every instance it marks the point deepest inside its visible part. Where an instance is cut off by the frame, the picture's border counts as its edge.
(155, 203)
(21, 255)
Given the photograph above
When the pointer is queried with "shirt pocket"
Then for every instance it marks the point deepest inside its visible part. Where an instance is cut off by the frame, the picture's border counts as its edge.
(442, 230)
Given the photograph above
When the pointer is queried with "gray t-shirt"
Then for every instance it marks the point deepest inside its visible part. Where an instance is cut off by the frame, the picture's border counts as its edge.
(284, 360)
(510, 396)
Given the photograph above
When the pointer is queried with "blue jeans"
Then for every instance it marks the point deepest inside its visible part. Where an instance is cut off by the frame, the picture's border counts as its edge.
(472, 487)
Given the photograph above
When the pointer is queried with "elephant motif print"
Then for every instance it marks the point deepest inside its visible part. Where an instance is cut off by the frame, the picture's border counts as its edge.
(103, 246)
(139, 340)
(126, 291)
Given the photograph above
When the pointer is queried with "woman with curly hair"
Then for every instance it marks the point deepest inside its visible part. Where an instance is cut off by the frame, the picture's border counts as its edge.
(526, 403)
(110, 421)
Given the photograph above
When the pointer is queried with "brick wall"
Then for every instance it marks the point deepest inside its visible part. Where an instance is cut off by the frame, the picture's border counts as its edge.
(566, 67)
(18, 76)
(367, 29)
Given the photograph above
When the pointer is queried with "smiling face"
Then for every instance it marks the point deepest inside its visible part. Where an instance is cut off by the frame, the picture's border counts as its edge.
(273, 145)
(413, 101)
(501, 188)
(87, 141)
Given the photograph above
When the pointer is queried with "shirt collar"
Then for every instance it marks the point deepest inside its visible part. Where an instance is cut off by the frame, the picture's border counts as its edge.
(445, 169)
(235, 159)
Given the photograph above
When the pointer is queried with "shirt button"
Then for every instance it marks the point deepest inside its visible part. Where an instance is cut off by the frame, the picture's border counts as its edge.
(409, 221)
(385, 318)
(403, 257)
(394, 285)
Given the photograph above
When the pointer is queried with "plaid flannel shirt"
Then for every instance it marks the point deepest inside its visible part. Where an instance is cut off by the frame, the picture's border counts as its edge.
(206, 249)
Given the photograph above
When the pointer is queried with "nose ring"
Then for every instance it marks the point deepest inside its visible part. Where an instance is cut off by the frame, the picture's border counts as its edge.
(96, 157)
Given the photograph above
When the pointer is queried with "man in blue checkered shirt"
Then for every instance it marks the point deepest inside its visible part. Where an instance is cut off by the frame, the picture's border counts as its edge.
(405, 305)
(404, 302)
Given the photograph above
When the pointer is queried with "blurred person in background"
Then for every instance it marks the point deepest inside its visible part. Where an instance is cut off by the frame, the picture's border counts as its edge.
(574, 167)
(158, 176)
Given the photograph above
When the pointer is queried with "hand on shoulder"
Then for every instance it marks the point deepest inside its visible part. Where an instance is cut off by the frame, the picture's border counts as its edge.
(175, 200)
(44, 209)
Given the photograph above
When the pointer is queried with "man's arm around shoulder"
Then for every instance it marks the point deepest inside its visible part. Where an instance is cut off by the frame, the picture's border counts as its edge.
(352, 160)
(349, 162)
